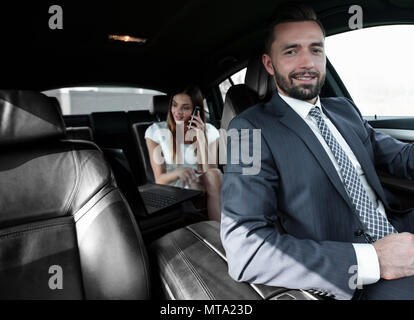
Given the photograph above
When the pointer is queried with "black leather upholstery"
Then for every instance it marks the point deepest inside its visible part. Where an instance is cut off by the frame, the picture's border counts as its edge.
(259, 80)
(25, 117)
(112, 130)
(258, 87)
(60, 208)
(159, 107)
(191, 264)
(140, 116)
(138, 130)
(56, 102)
(238, 98)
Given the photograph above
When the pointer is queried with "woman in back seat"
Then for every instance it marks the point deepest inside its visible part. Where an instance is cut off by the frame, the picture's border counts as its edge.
(183, 152)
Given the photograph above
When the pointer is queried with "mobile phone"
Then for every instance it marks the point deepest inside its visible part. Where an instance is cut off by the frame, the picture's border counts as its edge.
(196, 109)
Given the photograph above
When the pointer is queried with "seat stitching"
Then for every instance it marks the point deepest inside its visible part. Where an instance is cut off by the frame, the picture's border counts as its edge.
(168, 289)
(212, 248)
(76, 215)
(32, 230)
(140, 244)
(74, 191)
(164, 259)
(208, 244)
(193, 270)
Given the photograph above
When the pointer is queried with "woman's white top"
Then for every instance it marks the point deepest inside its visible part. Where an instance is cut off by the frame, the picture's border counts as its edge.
(159, 133)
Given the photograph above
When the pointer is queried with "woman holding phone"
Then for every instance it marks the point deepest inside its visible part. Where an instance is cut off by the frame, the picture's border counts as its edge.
(183, 149)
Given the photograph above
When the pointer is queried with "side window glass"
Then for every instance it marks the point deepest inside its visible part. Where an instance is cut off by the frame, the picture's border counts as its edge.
(375, 65)
(236, 78)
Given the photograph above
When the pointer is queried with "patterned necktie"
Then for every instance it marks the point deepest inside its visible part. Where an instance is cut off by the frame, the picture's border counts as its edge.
(378, 226)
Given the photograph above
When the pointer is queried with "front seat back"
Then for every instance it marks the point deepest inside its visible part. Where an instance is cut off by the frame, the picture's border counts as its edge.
(66, 231)
(159, 108)
(258, 87)
(259, 80)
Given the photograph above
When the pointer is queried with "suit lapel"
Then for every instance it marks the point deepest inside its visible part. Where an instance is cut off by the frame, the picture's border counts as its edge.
(359, 151)
(294, 122)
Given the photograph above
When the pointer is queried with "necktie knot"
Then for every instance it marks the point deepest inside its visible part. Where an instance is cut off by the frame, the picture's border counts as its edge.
(316, 113)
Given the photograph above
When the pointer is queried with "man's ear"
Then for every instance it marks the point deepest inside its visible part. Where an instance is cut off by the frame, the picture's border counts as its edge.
(267, 62)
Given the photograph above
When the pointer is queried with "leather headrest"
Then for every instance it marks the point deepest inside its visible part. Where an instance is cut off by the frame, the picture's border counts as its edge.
(26, 116)
(258, 79)
(56, 102)
(238, 98)
(160, 104)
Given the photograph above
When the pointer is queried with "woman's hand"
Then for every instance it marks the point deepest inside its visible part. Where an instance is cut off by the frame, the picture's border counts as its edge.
(199, 131)
(186, 175)
(197, 123)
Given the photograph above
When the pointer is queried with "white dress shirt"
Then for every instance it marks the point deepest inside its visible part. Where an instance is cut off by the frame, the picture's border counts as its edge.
(367, 259)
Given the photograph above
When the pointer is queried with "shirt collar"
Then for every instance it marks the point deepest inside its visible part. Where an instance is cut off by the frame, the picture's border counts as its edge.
(302, 108)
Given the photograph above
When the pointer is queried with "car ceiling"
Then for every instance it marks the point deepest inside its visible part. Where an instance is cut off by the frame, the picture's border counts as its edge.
(188, 40)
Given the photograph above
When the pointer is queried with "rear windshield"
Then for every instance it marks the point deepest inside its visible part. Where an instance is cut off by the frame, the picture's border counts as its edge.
(84, 100)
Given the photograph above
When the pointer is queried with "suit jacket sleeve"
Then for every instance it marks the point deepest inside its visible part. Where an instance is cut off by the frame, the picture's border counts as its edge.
(256, 251)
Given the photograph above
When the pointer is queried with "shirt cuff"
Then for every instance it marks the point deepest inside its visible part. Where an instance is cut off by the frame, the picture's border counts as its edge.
(368, 264)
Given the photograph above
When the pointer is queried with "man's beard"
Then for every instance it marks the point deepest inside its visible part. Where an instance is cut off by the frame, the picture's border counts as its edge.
(304, 91)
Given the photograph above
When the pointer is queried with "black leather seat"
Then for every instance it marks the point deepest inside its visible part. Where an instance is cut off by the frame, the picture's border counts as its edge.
(258, 80)
(258, 87)
(74, 133)
(135, 116)
(66, 231)
(159, 109)
(192, 265)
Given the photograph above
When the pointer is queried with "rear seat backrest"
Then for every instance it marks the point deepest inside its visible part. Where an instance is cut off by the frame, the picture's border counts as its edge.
(138, 116)
(159, 107)
(74, 131)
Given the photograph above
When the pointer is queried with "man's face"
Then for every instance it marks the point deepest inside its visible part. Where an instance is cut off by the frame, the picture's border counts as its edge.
(297, 60)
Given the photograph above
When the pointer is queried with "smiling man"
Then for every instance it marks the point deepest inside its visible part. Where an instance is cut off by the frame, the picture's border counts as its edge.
(300, 59)
(318, 180)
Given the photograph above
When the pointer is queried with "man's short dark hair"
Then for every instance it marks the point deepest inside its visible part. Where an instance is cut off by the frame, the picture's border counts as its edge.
(290, 12)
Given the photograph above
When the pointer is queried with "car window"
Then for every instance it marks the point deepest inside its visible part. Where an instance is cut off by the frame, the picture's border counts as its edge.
(84, 100)
(375, 64)
(236, 78)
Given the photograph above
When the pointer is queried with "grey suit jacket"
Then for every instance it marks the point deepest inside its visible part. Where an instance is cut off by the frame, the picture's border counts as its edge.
(299, 186)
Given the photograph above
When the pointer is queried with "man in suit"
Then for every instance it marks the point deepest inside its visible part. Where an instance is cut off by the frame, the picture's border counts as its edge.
(317, 178)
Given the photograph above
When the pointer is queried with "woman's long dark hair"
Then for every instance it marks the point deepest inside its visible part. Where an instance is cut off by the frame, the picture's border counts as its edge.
(193, 91)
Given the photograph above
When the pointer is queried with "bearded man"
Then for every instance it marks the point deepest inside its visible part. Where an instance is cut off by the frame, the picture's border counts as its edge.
(318, 180)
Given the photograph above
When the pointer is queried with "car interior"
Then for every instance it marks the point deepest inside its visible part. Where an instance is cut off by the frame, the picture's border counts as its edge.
(77, 191)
